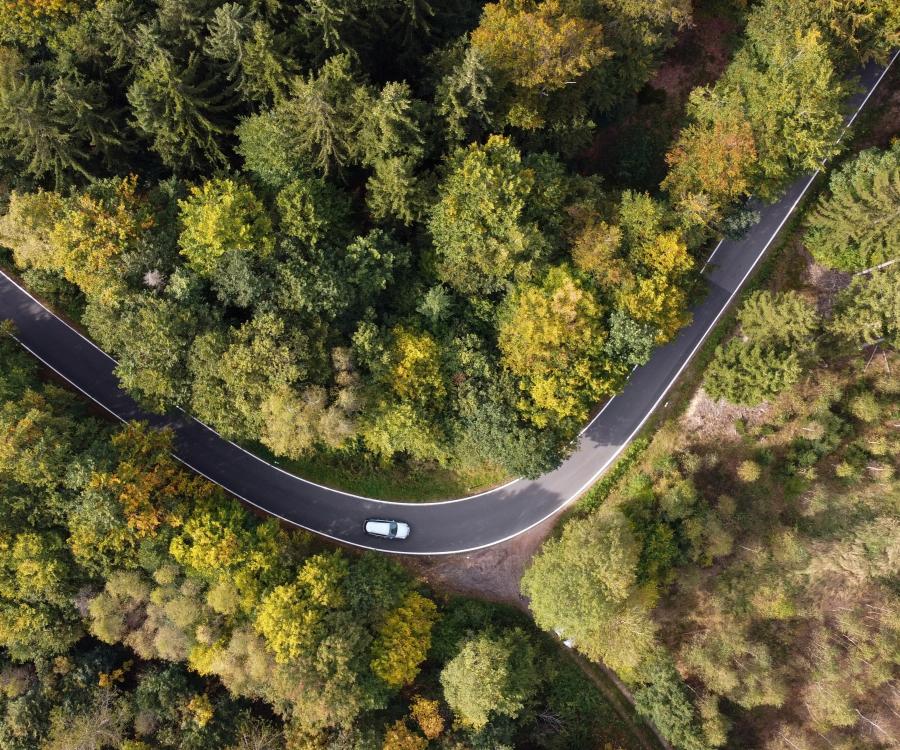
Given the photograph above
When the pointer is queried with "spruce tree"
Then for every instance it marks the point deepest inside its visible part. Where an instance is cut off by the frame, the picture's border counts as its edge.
(858, 225)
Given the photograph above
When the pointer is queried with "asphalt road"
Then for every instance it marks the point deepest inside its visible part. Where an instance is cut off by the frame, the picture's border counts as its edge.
(446, 527)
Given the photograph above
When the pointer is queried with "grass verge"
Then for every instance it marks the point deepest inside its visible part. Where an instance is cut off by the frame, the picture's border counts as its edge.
(404, 481)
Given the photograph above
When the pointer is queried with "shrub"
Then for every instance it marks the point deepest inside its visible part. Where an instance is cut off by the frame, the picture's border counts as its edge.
(749, 471)
(864, 407)
(749, 375)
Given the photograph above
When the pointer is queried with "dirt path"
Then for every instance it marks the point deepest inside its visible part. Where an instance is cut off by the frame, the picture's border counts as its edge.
(492, 573)
(620, 698)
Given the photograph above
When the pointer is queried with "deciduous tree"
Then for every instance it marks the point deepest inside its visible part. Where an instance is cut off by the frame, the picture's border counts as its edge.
(478, 228)
(491, 675)
(220, 217)
(235, 371)
(714, 155)
(536, 47)
(792, 93)
(403, 640)
(584, 585)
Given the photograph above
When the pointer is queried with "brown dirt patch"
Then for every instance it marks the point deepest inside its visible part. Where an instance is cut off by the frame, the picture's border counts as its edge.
(885, 125)
(491, 573)
(714, 420)
(699, 57)
(826, 283)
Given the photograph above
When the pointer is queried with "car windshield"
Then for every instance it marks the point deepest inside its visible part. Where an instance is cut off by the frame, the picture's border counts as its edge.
(393, 528)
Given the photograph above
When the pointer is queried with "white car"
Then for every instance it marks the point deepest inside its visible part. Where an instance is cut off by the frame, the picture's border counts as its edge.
(387, 529)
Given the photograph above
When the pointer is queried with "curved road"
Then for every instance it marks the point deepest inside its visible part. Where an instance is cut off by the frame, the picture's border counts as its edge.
(447, 527)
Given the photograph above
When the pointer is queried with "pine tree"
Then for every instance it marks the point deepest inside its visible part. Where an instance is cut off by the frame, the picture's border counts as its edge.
(462, 98)
(247, 48)
(749, 375)
(784, 319)
(314, 128)
(176, 108)
(34, 131)
(390, 141)
(869, 309)
(858, 225)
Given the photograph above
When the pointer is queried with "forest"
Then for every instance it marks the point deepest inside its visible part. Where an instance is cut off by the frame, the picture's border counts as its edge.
(366, 230)
(430, 239)
(140, 607)
(749, 548)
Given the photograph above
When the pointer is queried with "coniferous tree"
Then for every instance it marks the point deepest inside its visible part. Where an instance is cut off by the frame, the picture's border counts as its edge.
(869, 309)
(750, 374)
(462, 98)
(857, 225)
(33, 129)
(249, 51)
(179, 111)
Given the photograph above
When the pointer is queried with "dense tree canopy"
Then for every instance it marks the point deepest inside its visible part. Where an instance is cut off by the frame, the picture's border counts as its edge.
(371, 233)
(229, 195)
(552, 340)
(199, 612)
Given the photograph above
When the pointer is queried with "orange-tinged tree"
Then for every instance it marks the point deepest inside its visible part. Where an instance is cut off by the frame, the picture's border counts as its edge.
(427, 714)
(146, 480)
(401, 737)
(713, 155)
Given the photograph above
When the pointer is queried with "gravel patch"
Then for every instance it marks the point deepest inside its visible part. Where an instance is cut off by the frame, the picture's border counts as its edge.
(492, 573)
